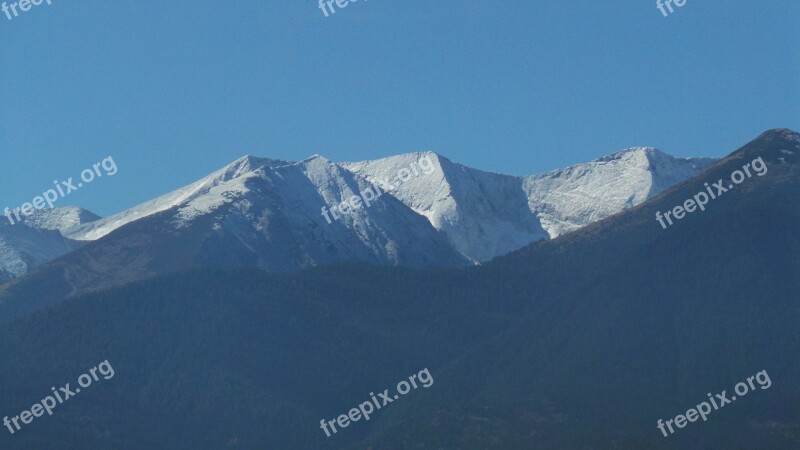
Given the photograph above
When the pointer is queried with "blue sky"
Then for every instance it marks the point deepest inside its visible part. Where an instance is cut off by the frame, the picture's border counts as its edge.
(176, 89)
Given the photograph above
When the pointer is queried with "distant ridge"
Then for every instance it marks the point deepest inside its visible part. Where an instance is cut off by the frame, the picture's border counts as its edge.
(267, 213)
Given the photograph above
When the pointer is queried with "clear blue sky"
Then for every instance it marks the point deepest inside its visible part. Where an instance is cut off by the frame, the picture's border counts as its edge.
(176, 89)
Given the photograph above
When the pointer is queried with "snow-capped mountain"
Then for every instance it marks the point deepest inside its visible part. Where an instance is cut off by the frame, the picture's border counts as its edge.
(567, 199)
(483, 214)
(61, 219)
(254, 213)
(486, 215)
(268, 214)
(272, 209)
(37, 239)
(202, 195)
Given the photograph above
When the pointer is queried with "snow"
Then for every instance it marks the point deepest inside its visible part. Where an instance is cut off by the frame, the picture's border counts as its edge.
(486, 215)
(483, 214)
(11, 261)
(194, 200)
(568, 199)
(442, 213)
(61, 219)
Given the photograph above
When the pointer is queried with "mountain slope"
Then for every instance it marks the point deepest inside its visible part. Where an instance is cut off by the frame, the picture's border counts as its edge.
(37, 239)
(567, 199)
(193, 198)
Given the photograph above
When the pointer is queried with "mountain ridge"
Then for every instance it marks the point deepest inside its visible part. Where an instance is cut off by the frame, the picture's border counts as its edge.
(265, 213)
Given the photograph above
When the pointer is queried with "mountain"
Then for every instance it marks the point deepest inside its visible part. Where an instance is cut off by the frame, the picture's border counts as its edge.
(274, 215)
(193, 200)
(37, 239)
(254, 213)
(567, 199)
(486, 215)
(482, 215)
(583, 341)
(628, 323)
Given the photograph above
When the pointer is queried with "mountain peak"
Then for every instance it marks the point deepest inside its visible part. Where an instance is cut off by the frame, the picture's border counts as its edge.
(776, 146)
(249, 163)
(316, 157)
(633, 152)
(781, 133)
(61, 218)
